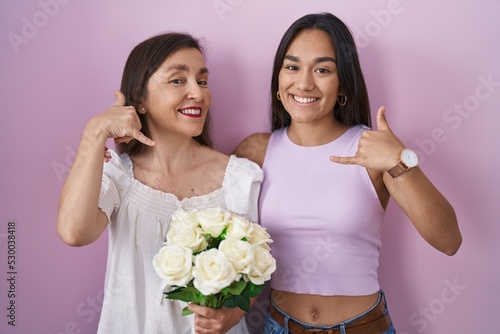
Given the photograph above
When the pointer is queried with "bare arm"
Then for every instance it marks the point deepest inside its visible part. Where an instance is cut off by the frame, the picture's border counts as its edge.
(253, 147)
(79, 220)
(430, 212)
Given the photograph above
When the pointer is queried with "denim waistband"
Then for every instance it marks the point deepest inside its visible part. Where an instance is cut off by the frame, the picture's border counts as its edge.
(381, 298)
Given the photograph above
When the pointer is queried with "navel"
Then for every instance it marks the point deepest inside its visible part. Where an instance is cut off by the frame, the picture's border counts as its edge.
(314, 314)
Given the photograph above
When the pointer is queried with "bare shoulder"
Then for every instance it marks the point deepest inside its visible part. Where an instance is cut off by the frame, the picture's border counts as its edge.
(214, 158)
(253, 147)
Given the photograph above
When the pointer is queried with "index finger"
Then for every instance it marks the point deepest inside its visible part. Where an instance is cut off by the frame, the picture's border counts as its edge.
(143, 139)
(343, 160)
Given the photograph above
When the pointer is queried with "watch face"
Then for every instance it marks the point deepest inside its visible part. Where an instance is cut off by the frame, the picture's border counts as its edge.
(409, 158)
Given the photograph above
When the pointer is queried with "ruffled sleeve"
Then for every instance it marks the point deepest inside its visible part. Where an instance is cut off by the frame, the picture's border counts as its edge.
(115, 178)
(242, 184)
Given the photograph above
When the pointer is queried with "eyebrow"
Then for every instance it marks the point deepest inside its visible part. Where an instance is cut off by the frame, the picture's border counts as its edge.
(316, 60)
(184, 68)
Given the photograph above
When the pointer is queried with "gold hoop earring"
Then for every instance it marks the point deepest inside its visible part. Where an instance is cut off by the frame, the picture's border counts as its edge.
(278, 96)
(342, 100)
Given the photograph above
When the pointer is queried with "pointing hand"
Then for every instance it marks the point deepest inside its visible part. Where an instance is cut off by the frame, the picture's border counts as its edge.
(377, 149)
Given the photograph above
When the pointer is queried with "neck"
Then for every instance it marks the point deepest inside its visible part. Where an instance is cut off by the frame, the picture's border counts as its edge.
(170, 155)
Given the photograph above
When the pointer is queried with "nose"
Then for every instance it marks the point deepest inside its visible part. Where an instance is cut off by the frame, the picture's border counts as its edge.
(304, 81)
(194, 91)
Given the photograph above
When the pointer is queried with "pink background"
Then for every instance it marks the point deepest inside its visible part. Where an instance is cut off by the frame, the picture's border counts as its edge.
(434, 65)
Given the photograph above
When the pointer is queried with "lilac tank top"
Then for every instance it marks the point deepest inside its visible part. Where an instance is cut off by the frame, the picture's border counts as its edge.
(325, 218)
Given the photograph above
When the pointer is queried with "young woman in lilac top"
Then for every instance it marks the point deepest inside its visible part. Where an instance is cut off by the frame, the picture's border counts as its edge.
(328, 177)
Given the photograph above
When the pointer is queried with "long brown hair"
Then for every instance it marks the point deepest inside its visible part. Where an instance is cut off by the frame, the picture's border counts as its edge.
(142, 62)
(351, 80)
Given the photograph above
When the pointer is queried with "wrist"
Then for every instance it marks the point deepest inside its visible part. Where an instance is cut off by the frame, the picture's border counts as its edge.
(95, 131)
(408, 159)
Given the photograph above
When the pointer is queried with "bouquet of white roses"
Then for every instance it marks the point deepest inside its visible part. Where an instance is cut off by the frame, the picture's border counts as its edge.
(214, 258)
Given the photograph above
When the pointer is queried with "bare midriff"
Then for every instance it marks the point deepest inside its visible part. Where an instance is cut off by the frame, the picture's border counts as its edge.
(322, 310)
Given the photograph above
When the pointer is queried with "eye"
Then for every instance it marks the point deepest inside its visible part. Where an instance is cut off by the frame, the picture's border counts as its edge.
(202, 82)
(291, 67)
(323, 70)
(176, 81)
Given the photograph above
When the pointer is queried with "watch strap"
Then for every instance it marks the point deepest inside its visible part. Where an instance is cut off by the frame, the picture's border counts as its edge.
(397, 170)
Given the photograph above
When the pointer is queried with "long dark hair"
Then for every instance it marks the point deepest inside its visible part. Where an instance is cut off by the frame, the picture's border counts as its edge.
(142, 62)
(351, 80)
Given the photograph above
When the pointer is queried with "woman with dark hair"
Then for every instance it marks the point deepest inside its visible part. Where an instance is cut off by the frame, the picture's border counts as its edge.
(326, 218)
(164, 161)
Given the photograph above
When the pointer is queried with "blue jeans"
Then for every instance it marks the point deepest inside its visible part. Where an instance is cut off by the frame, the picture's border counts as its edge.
(272, 327)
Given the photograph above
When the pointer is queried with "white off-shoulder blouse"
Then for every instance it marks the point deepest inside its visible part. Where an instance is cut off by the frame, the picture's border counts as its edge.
(138, 220)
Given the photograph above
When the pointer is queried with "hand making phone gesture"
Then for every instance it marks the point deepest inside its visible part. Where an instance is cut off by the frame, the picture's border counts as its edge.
(377, 149)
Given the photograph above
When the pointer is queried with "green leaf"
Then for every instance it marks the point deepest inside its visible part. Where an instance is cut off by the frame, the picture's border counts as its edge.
(253, 290)
(213, 243)
(243, 302)
(186, 311)
(235, 288)
(222, 235)
(214, 301)
(202, 299)
(191, 288)
(186, 294)
(240, 301)
(231, 302)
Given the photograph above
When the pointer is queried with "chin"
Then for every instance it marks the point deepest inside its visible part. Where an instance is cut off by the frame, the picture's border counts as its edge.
(196, 133)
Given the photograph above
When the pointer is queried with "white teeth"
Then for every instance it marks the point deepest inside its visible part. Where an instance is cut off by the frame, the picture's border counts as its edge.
(304, 99)
(191, 111)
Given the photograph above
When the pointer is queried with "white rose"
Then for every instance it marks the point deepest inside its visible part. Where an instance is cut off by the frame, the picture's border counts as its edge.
(174, 265)
(263, 266)
(239, 227)
(213, 221)
(212, 272)
(239, 253)
(186, 235)
(184, 217)
(178, 215)
(259, 236)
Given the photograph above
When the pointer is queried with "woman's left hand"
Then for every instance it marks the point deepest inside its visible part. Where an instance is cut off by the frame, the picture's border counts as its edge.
(378, 149)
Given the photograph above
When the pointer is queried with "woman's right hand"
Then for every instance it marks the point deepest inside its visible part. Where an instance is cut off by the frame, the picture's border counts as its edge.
(119, 122)
(80, 221)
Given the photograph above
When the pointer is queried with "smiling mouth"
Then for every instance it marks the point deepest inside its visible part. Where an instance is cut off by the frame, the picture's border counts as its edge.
(191, 112)
(304, 99)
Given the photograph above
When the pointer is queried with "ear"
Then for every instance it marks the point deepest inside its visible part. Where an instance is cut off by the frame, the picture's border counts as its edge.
(141, 109)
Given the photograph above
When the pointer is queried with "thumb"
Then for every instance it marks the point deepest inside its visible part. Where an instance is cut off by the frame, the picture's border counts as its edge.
(120, 99)
(381, 120)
